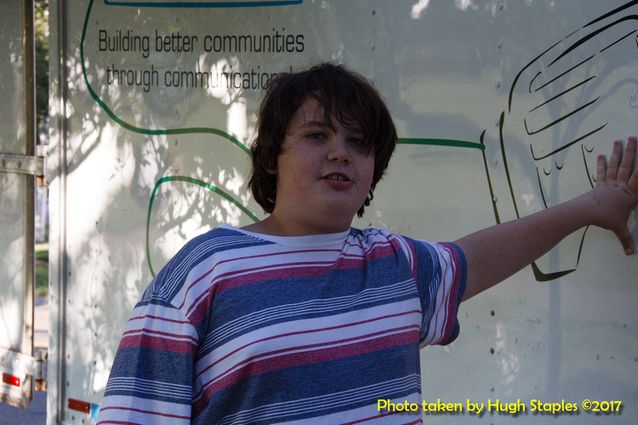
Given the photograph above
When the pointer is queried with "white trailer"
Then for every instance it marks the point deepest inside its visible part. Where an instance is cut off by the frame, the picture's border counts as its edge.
(501, 107)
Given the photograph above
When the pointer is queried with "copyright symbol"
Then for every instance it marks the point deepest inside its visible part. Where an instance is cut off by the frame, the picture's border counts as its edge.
(586, 404)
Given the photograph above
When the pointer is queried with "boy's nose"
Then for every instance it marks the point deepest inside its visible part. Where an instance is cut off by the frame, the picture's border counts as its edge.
(338, 150)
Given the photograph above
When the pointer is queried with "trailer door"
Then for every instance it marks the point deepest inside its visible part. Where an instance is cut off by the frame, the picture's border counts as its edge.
(18, 166)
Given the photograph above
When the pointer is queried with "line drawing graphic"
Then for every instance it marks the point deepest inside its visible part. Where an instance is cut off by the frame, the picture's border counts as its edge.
(558, 106)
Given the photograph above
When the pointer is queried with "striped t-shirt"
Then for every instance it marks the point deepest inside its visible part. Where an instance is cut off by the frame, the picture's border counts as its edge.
(245, 328)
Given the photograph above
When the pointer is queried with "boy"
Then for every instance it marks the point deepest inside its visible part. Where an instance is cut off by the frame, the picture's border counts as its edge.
(300, 318)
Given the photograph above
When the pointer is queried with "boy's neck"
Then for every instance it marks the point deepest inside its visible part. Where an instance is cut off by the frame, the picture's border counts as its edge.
(273, 226)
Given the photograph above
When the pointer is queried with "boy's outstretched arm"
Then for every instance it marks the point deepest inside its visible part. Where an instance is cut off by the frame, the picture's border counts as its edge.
(495, 253)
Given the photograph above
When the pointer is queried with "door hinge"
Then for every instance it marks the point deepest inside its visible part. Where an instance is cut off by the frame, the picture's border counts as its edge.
(22, 164)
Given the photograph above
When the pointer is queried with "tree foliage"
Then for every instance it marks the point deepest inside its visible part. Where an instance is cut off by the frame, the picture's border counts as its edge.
(41, 12)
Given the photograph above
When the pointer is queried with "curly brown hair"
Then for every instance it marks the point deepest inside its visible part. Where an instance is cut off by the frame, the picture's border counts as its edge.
(344, 95)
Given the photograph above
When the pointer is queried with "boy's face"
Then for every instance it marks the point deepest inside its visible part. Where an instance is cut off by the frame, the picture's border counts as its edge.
(324, 172)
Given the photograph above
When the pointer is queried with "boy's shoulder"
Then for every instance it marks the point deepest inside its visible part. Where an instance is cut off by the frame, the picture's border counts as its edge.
(412, 247)
(220, 238)
(373, 232)
(194, 254)
(377, 234)
(217, 240)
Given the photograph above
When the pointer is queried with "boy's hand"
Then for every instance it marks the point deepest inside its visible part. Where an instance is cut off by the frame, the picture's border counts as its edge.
(616, 192)
(495, 253)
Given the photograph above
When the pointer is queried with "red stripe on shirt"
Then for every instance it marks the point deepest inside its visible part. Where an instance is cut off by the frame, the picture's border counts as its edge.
(158, 343)
(307, 357)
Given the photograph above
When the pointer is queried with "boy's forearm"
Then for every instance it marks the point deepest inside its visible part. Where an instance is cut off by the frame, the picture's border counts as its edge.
(495, 253)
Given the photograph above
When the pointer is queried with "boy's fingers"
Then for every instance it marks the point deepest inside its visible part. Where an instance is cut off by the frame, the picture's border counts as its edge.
(601, 169)
(614, 161)
(632, 184)
(627, 162)
(626, 241)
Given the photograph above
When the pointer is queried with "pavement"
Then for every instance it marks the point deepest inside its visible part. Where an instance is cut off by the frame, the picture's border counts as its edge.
(36, 413)
(41, 325)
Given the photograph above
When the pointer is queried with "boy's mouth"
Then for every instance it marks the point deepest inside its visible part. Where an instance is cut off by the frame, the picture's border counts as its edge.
(336, 177)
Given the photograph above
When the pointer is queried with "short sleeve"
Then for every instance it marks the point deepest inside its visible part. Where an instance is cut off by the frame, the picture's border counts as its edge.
(440, 271)
(151, 378)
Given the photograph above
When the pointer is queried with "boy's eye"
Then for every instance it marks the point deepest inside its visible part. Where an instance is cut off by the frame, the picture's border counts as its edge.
(316, 135)
(361, 145)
